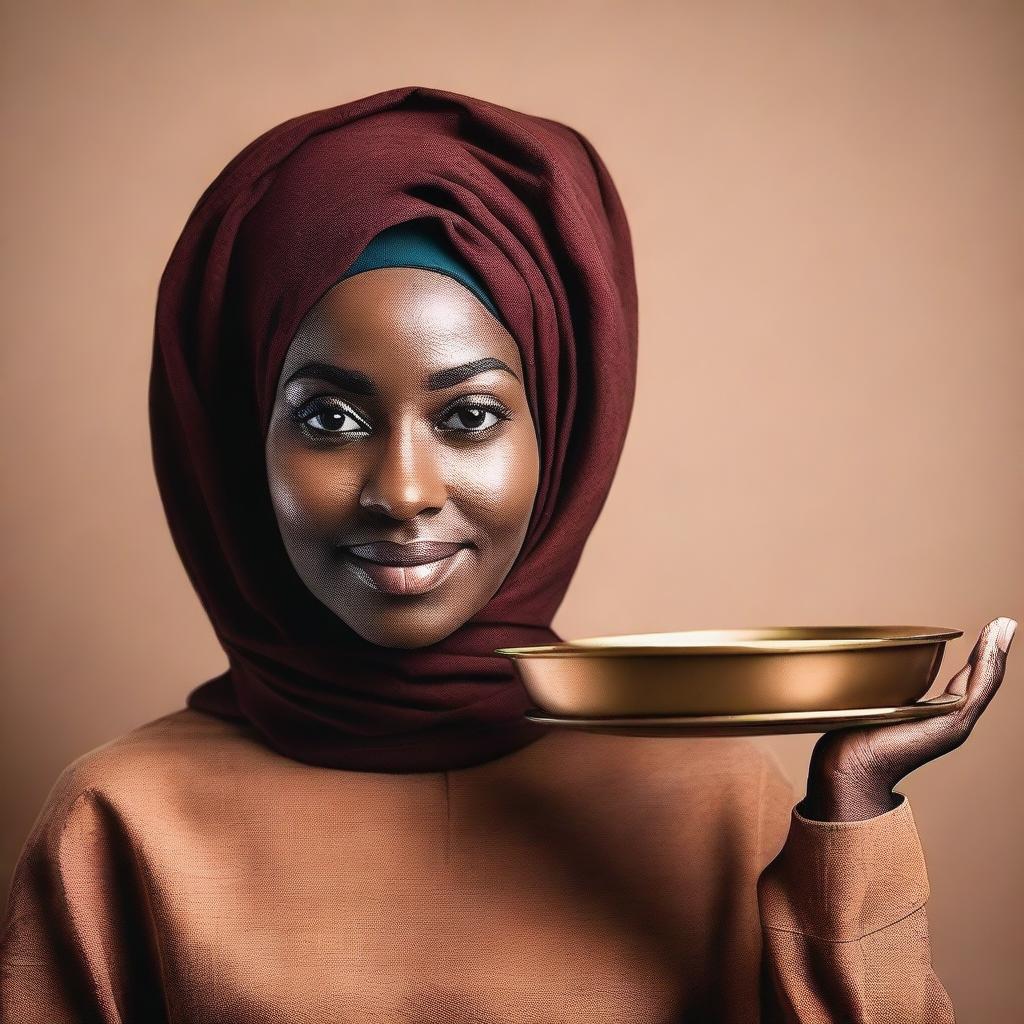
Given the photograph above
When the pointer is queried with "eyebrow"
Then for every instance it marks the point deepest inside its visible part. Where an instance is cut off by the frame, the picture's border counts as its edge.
(360, 384)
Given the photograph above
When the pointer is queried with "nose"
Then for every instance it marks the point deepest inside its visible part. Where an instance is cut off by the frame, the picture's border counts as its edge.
(405, 478)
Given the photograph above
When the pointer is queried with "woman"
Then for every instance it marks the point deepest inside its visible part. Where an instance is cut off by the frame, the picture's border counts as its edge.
(394, 366)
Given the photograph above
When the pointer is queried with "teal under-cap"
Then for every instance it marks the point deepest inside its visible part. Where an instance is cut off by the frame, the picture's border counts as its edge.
(419, 243)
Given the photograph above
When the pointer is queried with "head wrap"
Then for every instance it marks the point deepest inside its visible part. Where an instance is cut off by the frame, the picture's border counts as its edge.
(416, 243)
(527, 203)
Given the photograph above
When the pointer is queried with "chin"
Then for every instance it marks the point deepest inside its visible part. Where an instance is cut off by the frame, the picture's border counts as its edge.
(407, 638)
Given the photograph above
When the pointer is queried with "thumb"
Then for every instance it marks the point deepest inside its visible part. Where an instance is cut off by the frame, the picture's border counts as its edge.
(958, 684)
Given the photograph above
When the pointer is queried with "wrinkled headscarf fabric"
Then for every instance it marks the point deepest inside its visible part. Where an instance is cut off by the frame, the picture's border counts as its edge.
(527, 203)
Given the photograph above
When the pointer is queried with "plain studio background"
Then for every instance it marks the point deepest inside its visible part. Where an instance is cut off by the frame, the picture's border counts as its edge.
(827, 213)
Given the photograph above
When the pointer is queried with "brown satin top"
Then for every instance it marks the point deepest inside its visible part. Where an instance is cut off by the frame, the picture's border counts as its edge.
(185, 872)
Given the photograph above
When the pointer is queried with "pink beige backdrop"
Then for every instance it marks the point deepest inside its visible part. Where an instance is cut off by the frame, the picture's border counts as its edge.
(826, 202)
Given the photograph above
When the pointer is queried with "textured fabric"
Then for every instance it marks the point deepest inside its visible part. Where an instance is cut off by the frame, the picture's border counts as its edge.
(854, 897)
(186, 873)
(418, 243)
(528, 205)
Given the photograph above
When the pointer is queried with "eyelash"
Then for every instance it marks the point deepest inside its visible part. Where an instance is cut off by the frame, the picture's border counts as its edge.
(318, 406)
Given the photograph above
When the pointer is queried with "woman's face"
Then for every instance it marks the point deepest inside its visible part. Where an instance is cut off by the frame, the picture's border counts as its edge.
(402, 458)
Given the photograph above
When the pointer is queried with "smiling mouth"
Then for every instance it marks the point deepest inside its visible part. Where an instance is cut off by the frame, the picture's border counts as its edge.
(404, 569)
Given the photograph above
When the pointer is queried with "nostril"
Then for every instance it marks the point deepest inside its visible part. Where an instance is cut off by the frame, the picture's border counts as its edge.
(405, 472)
(409, 503)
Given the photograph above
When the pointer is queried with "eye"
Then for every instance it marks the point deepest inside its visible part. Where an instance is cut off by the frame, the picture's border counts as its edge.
(321, 417)
(472, 417)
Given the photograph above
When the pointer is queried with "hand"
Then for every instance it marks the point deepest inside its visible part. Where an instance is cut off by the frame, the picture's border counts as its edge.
(853, 771)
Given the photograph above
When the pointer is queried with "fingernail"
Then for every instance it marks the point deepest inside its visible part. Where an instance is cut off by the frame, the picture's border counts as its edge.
(1009, 627)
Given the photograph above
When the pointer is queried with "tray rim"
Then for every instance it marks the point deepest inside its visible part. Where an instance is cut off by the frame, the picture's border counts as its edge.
(941, 704)
(915, 636)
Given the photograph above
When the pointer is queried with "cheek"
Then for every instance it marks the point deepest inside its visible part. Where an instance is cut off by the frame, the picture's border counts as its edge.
(499, 485)
(307, 489)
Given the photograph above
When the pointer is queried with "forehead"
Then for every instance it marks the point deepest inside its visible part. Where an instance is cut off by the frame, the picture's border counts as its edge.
(392, 319)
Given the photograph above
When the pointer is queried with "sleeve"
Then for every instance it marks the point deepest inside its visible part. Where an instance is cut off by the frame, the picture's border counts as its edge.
(75, 947)
(844, 928)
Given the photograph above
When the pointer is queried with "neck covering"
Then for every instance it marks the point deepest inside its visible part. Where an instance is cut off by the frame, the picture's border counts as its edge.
(527, 203)
(417, 244)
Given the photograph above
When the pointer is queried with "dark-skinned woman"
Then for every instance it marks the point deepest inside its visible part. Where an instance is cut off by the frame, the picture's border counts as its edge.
(394, 366)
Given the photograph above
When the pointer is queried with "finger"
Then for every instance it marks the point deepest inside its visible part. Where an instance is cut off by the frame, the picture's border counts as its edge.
(988, 666)
(1006, 636)
(958, 684)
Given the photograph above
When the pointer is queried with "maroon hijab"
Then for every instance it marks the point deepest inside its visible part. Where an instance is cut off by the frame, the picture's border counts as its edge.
(529, 205)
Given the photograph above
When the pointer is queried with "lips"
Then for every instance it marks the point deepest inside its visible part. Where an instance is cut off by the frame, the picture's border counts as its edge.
(405, 568)
(419, 552)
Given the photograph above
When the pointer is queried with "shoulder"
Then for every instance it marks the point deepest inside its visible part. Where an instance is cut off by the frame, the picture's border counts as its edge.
(172, 758)
(698, 795)
(187, 770)
(735, 785)
(105, 804)
(736, 781)
(722, 774)
(713, 760)
(184, 741)
(744, 772)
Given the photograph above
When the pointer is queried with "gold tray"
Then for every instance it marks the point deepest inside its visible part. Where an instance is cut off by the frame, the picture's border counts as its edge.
(753, 725)
(769, 670)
